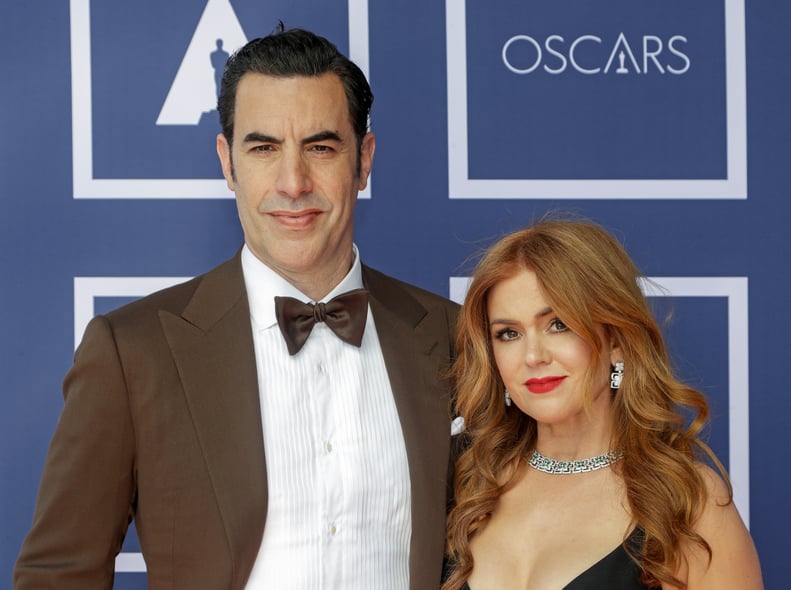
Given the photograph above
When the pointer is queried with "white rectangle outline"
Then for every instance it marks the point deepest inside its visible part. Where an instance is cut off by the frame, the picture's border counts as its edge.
(736, 291)
(85, 186)
(460, 186)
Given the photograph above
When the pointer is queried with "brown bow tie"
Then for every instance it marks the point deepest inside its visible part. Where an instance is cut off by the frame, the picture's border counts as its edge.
(345, 315)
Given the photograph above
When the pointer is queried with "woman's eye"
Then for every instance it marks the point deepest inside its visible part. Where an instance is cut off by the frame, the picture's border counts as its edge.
(507, 334)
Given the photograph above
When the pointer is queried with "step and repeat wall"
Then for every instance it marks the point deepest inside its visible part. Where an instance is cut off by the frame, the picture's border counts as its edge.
(665, 122)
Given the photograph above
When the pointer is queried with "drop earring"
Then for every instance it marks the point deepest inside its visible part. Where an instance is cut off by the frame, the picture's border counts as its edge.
(507, 398)
(617, 375)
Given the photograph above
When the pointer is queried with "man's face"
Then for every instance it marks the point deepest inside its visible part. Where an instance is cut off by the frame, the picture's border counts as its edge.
(293, 167)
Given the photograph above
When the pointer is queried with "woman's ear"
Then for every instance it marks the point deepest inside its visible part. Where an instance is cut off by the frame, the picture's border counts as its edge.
(616, 354)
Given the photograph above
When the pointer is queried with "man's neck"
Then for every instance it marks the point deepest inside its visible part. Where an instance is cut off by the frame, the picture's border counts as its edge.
(318, 283)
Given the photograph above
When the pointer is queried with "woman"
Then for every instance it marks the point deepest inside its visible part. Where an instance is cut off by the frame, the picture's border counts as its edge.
(583, 467)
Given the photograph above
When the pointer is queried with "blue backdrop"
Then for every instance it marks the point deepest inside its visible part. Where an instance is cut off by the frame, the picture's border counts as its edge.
(665, 122)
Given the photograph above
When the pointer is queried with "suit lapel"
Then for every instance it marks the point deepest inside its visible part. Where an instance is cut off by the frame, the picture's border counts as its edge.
(212, 348)
(415, 346)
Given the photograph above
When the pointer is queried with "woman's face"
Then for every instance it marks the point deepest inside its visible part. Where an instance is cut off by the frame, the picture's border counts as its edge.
(541, 361)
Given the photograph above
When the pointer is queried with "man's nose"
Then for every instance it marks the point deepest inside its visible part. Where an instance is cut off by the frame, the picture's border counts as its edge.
(293, 178)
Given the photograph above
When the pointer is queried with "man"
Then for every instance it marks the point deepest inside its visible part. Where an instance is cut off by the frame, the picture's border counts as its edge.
(247, 461)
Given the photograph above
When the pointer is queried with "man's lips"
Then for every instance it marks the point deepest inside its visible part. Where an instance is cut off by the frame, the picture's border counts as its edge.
(543, 385)
(295, 219)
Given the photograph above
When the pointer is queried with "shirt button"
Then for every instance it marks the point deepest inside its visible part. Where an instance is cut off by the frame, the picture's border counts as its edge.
(328, 446)
(333, 529)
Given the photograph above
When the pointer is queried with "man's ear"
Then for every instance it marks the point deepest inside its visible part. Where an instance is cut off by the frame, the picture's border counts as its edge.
(224, 153)
(367, 148)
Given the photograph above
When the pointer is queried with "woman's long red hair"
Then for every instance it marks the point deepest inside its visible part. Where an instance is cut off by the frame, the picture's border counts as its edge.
(590, 281)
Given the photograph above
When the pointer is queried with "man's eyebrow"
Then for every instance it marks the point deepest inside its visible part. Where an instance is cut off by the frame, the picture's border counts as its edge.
(327, 135)
(322, 136)
(255, 136)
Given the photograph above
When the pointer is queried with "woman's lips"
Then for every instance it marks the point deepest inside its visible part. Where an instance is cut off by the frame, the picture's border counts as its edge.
(543, 385)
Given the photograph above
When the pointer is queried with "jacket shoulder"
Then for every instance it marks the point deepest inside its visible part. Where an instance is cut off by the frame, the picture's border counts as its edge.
(175, 299)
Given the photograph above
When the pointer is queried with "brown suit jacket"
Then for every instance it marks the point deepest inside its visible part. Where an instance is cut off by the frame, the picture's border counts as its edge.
(162, 424)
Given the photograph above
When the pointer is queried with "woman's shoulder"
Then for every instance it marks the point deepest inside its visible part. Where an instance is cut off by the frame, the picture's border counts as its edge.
(716, 487)
(734, 561)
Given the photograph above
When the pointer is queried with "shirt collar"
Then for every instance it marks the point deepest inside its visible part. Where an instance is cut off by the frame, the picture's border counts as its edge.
(263, 284)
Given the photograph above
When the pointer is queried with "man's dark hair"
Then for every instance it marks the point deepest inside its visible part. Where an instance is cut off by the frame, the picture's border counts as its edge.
(286, 54)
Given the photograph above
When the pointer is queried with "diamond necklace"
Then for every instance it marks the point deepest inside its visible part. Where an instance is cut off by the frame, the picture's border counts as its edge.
(546, 465)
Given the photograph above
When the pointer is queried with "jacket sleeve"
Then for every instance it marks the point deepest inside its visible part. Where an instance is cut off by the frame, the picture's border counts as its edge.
(87, 494)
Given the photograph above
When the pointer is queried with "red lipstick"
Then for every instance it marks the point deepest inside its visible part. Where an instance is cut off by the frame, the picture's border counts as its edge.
(543, 385)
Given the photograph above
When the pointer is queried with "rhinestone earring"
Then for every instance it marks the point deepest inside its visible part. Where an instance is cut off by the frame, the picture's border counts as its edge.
(507, 398)
(617, 375)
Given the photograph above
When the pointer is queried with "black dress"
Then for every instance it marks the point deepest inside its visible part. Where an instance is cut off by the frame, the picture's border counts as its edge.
(615, 571)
